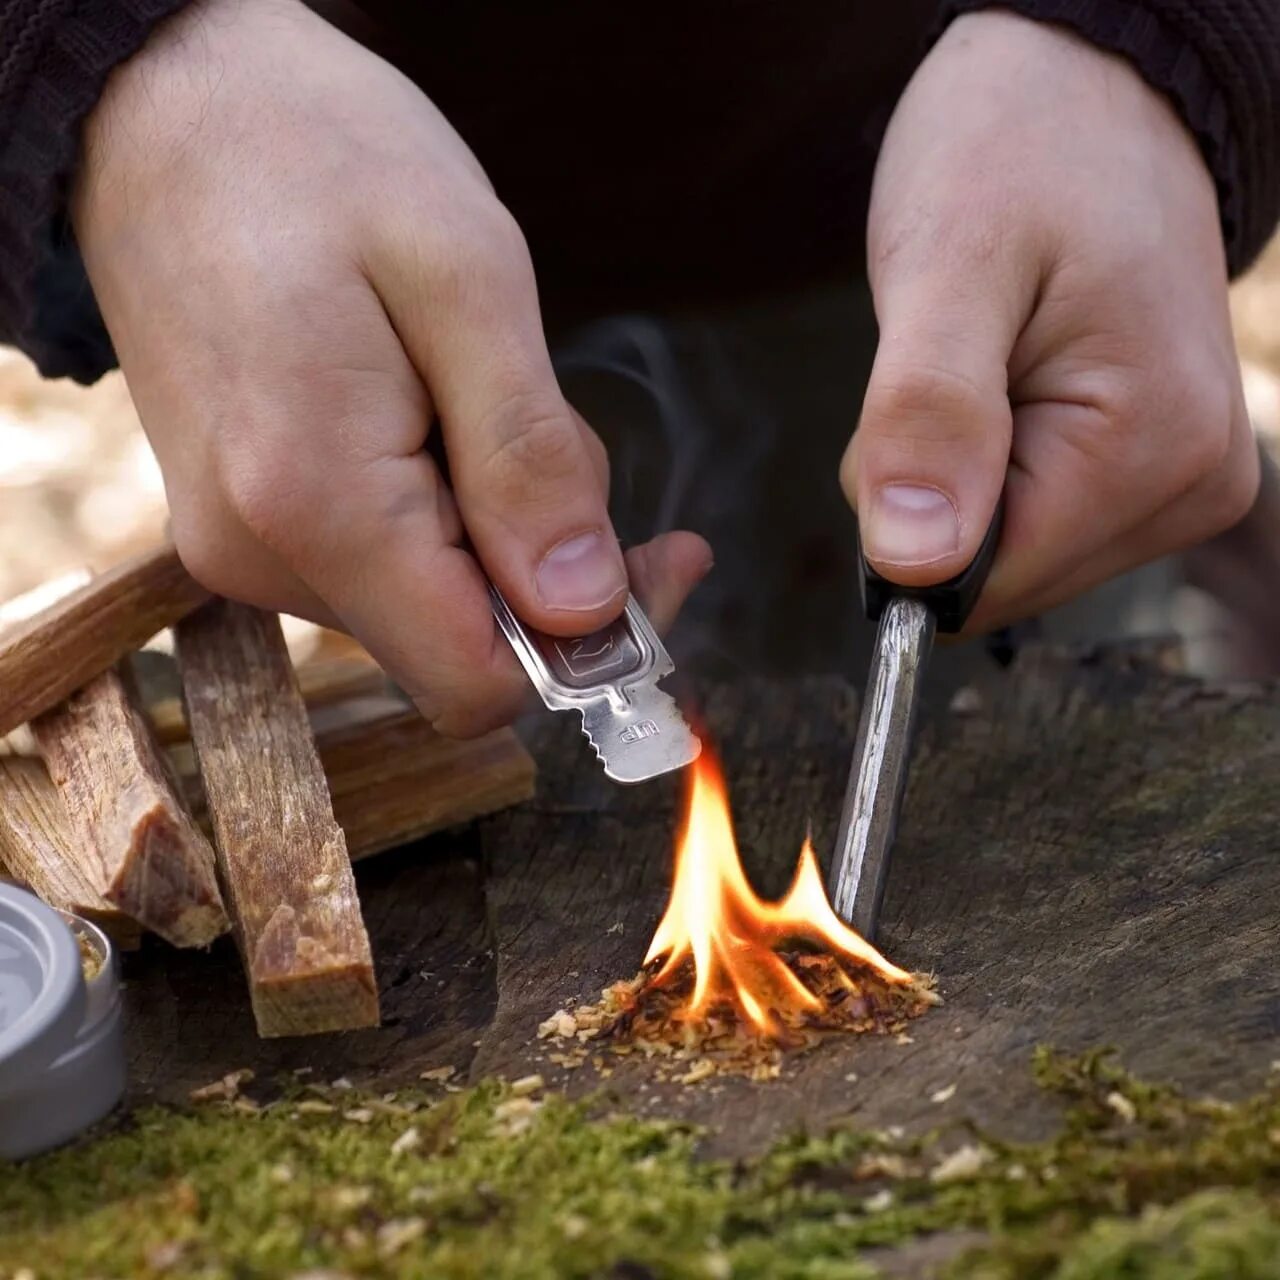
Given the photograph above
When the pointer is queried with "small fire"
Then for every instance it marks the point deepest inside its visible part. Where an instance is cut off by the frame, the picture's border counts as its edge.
(733, 984)
(715, 922)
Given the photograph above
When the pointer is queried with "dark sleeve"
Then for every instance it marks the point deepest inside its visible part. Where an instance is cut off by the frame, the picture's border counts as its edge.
(1218, 61)
(55, 56)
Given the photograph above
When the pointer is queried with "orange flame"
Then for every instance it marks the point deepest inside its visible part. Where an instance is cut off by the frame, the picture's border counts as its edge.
(715, 919)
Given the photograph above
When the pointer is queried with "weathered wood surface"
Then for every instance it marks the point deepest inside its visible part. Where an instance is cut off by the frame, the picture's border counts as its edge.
(131, 836)
(47, 657)
(1089, 856)
(38, 849)
(282, 856)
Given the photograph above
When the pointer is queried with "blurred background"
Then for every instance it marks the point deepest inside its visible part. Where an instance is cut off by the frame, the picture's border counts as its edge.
(80, 487)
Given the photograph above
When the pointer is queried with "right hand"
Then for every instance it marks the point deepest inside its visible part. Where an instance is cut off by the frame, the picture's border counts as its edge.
(301, 267)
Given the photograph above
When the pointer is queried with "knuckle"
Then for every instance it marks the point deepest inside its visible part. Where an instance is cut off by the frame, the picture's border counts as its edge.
(1208, 432)
(257, 488)
(1185, 426)
(1235, 490)
(927, 399)
(465, 721)
(499, 236)
(203, 549)
(464, 710)
(1120, 400)
(534, 446)
(486, 254)
(1241, 492)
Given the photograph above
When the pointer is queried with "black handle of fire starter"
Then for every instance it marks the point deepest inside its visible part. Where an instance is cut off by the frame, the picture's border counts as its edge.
(951, 602)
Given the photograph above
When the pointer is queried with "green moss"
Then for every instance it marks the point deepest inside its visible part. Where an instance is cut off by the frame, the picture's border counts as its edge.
(1140, 1182)
(1210, 1235)
(484, 1190)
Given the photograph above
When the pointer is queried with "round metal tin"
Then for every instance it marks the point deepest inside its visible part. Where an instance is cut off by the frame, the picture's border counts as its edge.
(61, 1046)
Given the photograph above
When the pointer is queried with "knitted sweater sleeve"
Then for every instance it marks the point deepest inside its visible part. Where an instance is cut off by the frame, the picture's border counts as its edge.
(1218, 61)
(55, 56)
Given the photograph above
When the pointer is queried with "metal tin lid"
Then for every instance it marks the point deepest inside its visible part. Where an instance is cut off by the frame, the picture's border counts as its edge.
(42, 988)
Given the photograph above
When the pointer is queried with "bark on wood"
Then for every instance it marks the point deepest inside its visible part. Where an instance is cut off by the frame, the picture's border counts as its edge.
(37, 847)
(46, 658)
(131, 836)
(1087, 857)
(283, 857)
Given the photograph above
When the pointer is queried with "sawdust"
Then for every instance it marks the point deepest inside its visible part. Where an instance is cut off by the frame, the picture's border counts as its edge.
(640, 1017)
(90, 961)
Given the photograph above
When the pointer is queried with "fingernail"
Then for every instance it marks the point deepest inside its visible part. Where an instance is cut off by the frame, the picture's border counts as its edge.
(910, 524)
(581, 573)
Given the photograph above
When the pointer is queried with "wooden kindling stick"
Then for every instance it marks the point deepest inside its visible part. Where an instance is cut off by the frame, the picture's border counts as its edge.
(38, 848)
(282, 856)
(132, 838)
(46, 658)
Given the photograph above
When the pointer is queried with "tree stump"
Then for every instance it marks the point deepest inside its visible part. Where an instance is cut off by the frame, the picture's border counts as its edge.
(1088, 855)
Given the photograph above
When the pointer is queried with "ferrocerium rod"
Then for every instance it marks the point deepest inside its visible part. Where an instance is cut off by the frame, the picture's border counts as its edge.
(880, 756)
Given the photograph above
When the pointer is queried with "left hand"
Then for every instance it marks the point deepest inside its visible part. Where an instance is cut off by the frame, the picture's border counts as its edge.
(1050, 281)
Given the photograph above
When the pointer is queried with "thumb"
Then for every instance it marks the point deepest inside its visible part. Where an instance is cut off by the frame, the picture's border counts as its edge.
(926, 466)
(524, 474)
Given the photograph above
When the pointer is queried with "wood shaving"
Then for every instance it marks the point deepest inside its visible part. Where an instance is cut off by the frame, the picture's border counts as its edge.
(314, 1107)
(561, 1023)
(397, 1234)
(409, 1140)
(1122, 1106)
(347, 1199)
(964, 1162)
(512, 1117)
(90, 960)
(880, 1164)
(225, 1090)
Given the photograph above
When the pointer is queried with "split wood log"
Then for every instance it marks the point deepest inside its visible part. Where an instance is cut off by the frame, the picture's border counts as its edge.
(47, 657)
(37, 848)
(333, 680)
(393, 779)
(131, 836)
(282, 855)
(1087, 856)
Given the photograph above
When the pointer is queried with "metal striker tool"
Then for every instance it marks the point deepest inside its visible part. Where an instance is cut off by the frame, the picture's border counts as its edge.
(908, 618)
(611, 678)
